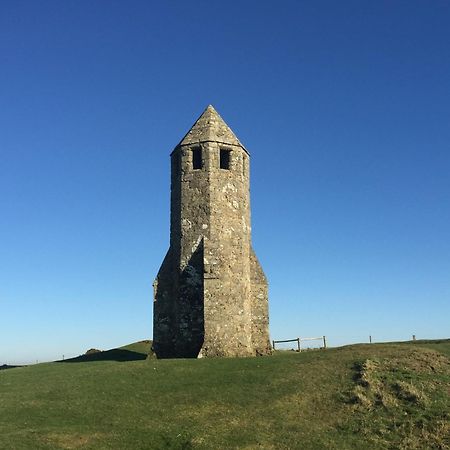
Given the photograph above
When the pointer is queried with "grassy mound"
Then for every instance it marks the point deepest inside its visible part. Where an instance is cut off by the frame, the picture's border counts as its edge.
(401, 401)
(380, 396)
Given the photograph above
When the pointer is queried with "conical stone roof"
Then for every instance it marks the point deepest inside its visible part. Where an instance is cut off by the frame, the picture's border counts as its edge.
(210, 127)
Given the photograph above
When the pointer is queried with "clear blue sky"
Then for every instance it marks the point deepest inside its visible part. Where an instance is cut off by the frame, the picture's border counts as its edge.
(343, 105)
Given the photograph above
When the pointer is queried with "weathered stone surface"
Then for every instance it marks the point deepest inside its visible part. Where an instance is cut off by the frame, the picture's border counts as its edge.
(210, 128)
(210, 293)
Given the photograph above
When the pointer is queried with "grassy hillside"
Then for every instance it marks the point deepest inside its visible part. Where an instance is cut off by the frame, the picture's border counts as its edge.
(364, 396)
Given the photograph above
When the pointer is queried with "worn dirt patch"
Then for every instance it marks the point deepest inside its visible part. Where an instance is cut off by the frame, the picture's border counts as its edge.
(72, 440)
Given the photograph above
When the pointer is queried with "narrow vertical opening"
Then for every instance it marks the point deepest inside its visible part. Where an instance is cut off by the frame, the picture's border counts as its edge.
(225, 158)
(197, 158)
(244, 165)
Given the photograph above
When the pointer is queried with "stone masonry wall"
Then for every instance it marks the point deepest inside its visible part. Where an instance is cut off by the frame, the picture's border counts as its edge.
(227, 263)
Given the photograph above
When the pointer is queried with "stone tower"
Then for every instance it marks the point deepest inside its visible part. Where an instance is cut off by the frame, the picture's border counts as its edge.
(210, 294)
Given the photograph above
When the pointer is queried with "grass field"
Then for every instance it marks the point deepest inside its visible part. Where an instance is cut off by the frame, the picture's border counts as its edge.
(379, 396)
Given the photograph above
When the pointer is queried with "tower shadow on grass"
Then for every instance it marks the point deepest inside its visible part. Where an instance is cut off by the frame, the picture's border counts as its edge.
(115, 354)
(6, 366)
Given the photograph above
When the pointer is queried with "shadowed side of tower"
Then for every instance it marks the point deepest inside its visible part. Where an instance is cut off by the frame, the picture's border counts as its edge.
(210, 294)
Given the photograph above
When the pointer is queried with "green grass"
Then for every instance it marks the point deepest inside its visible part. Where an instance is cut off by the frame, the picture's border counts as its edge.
(143, 347)
(379, 396)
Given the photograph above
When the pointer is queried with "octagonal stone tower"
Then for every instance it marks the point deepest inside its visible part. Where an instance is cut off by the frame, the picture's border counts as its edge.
(210, 294)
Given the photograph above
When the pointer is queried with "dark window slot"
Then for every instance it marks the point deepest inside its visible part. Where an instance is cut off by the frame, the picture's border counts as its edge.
(197, 158)
(225, 158)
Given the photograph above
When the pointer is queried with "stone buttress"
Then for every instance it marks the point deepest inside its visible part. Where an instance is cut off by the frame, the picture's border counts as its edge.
(210, 294)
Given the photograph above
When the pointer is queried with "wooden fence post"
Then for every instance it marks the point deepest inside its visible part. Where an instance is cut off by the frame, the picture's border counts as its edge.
(370, 339)
(324, 342)
(273, 345)
(298, 344)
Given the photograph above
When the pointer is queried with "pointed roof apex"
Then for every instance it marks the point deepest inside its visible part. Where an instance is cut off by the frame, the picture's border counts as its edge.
(210, 127)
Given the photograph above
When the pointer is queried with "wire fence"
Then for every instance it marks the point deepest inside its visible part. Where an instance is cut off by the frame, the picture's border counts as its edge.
(299, 343)
(299, 340)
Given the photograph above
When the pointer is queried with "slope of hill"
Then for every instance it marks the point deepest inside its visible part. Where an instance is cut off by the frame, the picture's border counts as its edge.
(378, 396)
